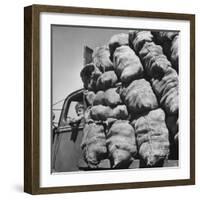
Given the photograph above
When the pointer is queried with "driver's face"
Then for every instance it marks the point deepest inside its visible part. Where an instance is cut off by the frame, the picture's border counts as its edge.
(80, 111)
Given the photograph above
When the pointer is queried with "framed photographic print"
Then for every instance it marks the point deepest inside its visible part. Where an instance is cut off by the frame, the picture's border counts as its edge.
(109, 99)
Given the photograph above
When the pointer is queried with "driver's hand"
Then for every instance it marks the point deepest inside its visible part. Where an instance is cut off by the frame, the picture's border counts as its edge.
(72, 121)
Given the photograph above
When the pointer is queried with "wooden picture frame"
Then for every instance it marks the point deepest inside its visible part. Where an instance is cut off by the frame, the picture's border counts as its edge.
(32, 105)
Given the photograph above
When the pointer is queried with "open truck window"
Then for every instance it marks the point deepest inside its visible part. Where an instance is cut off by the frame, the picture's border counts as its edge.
(69, 110)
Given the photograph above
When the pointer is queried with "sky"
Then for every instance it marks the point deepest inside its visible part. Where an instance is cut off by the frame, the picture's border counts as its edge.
(67, 57)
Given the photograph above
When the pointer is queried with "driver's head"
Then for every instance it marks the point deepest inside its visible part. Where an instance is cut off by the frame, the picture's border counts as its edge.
(79, 108)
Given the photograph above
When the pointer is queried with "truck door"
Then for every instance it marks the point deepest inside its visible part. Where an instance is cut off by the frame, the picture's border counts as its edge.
(66, 150)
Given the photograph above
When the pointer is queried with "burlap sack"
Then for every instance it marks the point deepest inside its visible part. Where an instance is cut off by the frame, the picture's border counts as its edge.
(101, 113)
(121, 144)
(172, 123)
(89, 96)
(174, 53)
(150, 47)
(120, 112)
(167, 91)
(106, 80)
(154, 61)
(99, 98)
(138, 38)
(89, 75)
(169, 42)
(164, 36)
(101, 58)
(127, 64)
(117, 41)
(94, 144)
(139, 97)
(112, 97)
(152, 137)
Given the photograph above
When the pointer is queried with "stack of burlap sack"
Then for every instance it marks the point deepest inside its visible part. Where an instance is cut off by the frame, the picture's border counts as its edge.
(114, 137)
(132, 100)
(169, 42)
(160, 72)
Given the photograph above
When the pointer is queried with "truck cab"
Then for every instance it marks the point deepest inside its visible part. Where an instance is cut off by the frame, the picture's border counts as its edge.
(66, 150)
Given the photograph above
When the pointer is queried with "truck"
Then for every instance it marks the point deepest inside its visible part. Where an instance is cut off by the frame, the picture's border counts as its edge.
(67, 154)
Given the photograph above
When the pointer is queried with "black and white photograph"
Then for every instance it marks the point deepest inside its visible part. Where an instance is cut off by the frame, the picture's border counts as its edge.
(114, 98)
(109, 99)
